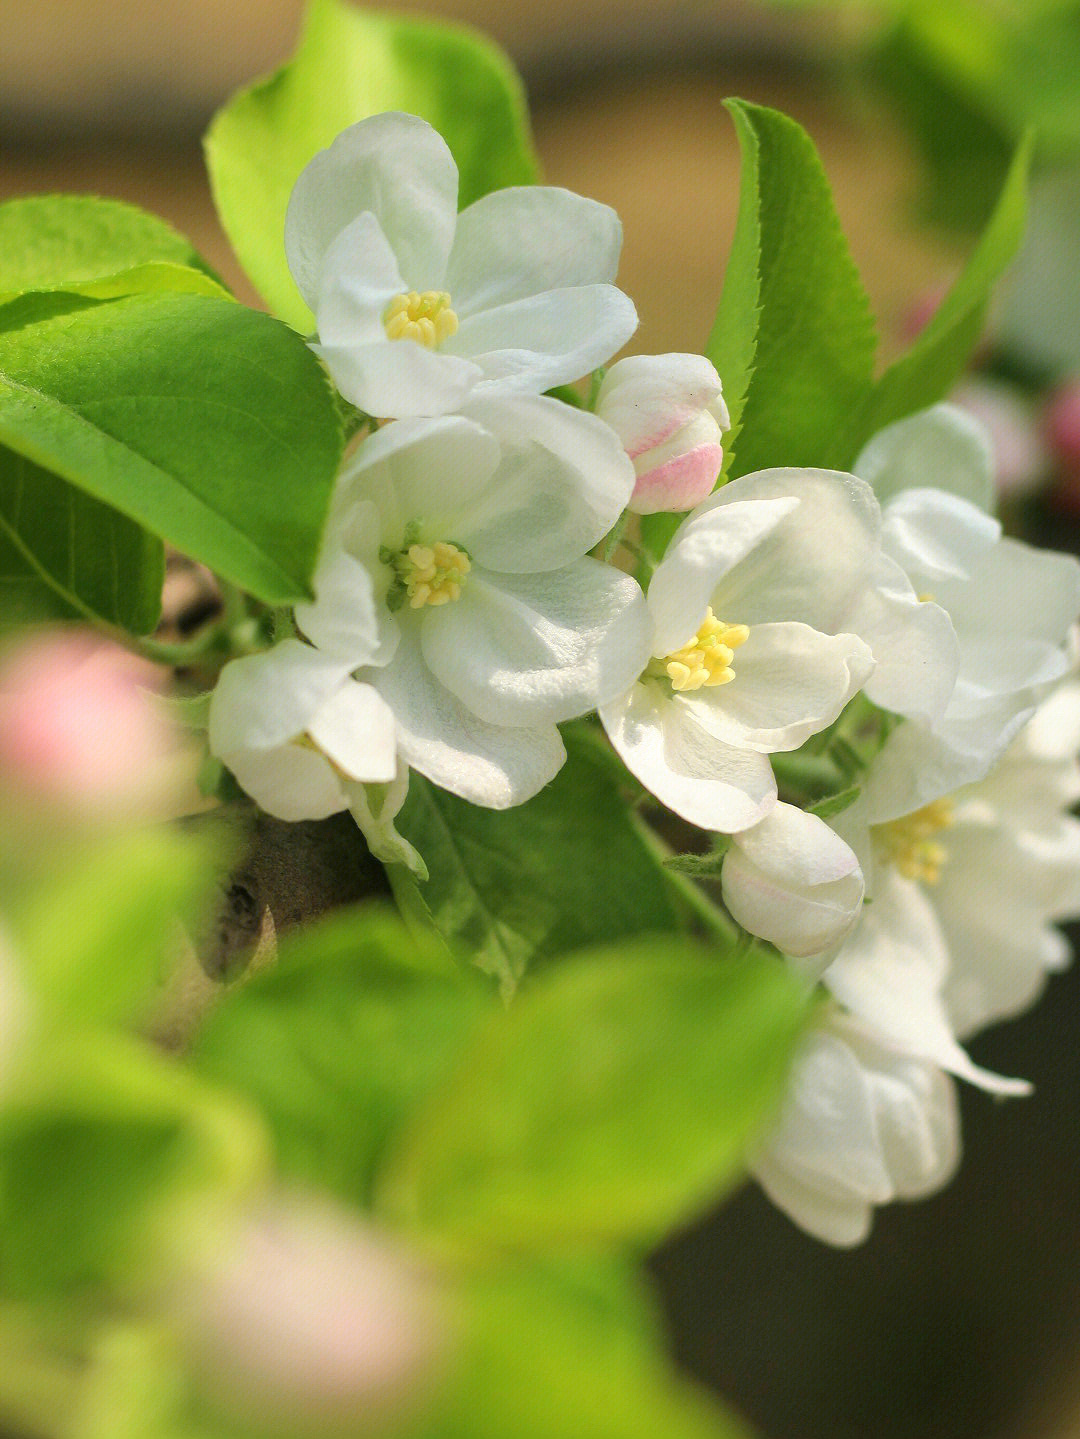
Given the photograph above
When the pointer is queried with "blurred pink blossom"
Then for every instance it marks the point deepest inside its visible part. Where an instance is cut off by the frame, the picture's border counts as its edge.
(1061, 426)
(1022, 461)
(78, 728)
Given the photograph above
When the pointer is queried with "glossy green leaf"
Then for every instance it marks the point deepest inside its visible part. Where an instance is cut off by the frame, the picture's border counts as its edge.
(89, 559)
(614, 1100)
(209, 424)
(512, 888)
(927, 372)
(115, 1163)
(794, 338)
(353, 63)
(336, 1042)
(94, 246)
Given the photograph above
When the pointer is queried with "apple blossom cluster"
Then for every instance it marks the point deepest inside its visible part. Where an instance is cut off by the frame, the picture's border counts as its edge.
(461, 614)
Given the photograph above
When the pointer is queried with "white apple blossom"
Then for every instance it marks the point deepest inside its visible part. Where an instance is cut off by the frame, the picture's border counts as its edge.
(669, 413)
(793, 881)
(1012, 606)
(862, 1124)
(752, 652)
(416, 306)
(493, 623)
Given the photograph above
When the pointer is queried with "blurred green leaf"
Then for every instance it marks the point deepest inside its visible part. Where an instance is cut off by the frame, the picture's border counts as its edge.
(353, 63)
(927, 372)
(337, 1041)
(614, 1100)
(116, 1165)
(512, 888)
(209, 424)
(88, 556)
(97, 939)
(794, 338)
(94, 247)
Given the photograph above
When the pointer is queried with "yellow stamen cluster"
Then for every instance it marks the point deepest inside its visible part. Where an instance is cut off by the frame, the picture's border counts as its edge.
(426, 318)
(705, 660)
(910, 844)
(432, 574)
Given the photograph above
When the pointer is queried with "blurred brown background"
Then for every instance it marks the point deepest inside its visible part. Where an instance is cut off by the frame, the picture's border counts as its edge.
(960, 1318)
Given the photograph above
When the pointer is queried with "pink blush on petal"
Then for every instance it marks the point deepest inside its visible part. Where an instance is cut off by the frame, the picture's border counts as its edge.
(680, 484)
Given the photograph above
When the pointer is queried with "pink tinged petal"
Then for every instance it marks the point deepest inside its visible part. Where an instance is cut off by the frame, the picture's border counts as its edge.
(648, 399)
(680, 483)
(549, 339)
(793, 881)
(351, 301)
(396, 379)
(706, 548)
(562, 482)
(712, 785)
(790, 682)
(943, 448)
(525, 240)
(355, 730)
(531, 649)
(890, 974)
(398, 168)
(934, 536)
(492, 766)
(816, 566)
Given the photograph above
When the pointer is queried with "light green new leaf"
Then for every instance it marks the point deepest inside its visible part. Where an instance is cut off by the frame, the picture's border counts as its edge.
(353, 63)
(211, 425)
(116, 1163)
(87, 558)
(337, 1040)
(512, 888)
(927, 372)
(615, 1099)
(94, 247)
(794, 338)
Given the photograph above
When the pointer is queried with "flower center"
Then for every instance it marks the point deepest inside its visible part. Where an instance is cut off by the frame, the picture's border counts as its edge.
(910, 843)
(705, 659)
(427, 574)
(426, 318)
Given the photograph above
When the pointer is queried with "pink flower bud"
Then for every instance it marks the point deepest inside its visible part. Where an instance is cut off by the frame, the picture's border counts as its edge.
(313, 1321)
(78, 729)
(669, 413)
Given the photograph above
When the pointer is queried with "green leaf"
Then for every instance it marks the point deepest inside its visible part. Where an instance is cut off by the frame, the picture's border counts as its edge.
(794, 338)
(336, 1042)
(94, 246)
(92, 561)
(835, 804)
(927, 372)
(115, 1164)
(350, 64)
(209, 424)
(512, 888)
(614, 1100)
(98, 939)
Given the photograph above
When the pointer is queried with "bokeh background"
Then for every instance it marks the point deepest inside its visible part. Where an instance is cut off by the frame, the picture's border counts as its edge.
(961, 1317)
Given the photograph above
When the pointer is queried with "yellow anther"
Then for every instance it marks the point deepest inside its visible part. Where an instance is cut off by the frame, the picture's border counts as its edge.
(426, 318)
(705, 659)
(432, 574)
(909, 843)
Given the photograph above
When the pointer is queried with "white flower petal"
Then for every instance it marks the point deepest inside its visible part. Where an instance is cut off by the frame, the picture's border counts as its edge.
(710, 784)
(562, 482)
(704, 550)
(355, 730)
(343, 619)
(395, 166)
(291, 783)
(793, 881)
(790, 681)
(351, 302)
(1016, 592)
(523, 240)
(399, 378)
(934, 536)
(531, 649)
(492, 766)
(264, 700)
(647, 399)
(943, 447)
(549, 339)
